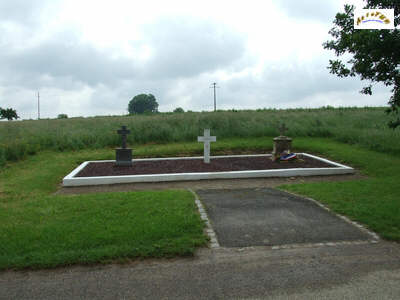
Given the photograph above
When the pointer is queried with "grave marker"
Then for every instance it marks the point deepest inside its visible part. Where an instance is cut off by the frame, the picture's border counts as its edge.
(282, 143)
(282, 129)
(206, 139)
(123, 132)
(123, 154)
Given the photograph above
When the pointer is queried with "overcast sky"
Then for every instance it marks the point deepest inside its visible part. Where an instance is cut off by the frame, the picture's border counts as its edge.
(91, 57)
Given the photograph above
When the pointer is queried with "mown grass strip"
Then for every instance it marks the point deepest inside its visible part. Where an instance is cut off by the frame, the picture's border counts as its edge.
(63, 230)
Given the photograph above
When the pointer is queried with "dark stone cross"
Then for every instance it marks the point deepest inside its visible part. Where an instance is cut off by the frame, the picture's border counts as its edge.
(282, 129)
(123, 155)
(123, 132)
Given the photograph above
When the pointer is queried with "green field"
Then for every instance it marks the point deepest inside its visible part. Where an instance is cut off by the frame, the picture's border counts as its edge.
(39, 228)
(363, 126)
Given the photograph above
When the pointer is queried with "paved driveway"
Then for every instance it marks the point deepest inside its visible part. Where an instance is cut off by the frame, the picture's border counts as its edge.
(269, 217)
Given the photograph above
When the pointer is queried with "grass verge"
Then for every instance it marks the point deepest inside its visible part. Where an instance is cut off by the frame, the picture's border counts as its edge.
(39, 229)
(52, 231)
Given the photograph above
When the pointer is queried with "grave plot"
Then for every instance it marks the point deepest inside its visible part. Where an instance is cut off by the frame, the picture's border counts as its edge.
(281, 163)
(193, 168)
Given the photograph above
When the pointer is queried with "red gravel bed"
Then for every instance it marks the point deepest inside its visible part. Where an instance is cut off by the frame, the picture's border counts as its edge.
(169, 166)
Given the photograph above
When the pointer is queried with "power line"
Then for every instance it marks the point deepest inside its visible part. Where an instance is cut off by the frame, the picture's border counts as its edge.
(214, 86)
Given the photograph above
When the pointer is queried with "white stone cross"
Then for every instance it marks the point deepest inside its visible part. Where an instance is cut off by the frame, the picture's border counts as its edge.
(206, 139)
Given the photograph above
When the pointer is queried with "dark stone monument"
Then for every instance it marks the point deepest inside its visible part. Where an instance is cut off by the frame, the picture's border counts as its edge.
(123, 155)
(282, 143)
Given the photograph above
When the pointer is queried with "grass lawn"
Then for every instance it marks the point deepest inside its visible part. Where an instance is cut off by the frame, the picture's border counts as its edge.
(39, 229)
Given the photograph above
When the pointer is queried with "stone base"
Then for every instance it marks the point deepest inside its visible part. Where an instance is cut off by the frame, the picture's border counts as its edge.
(281, 144)
(123, 157)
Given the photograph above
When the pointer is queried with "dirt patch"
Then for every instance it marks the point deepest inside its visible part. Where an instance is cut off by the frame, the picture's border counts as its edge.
(169, 166)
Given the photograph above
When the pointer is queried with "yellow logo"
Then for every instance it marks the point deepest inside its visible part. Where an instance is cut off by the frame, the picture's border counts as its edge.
(373, 17)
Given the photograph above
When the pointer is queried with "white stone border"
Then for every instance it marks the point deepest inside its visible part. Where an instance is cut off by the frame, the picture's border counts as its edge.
(71, 180)
(203, 215)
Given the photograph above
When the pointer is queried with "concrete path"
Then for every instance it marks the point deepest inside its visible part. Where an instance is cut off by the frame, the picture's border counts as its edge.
(266, 216)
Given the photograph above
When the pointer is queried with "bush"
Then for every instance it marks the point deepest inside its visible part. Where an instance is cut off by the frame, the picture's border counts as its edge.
(178, 110)
(143, 103)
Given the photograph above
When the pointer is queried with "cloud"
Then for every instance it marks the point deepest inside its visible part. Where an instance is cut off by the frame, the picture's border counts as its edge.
(186, 47)
(296, 84)
(180, 47)
(180, 50)
(27, 14)
(20, 11)
(65, 57)
(87, 62)
(322, 11)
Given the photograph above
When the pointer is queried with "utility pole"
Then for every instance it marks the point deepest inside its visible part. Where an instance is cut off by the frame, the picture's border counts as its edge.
(214, 86)
(38, 105)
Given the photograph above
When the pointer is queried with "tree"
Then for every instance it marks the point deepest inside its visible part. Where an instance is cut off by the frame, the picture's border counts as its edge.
(143, 103)
(375, 53)
(178, 110)
(8, 114)
(62, 116)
